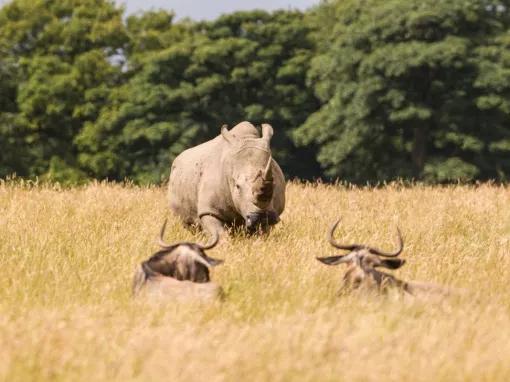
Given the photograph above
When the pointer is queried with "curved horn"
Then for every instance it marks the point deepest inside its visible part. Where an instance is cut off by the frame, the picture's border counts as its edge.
(267, 131)
(376, 251)
(165, 245)
(226, 134)
(268, 173)
(212, 243)
(161, 242)
(332, 241)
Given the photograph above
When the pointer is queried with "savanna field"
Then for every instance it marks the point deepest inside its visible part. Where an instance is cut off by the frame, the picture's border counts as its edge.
(67, 258)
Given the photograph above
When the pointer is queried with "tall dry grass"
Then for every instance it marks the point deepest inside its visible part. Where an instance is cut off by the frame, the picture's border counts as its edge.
(67, 258)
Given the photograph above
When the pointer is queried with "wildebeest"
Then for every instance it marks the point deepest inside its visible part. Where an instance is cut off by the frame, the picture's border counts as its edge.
(229, 180)
(362, 267)
(179, 271)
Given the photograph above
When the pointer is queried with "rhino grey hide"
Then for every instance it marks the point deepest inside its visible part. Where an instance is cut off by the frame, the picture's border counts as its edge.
(229, 180)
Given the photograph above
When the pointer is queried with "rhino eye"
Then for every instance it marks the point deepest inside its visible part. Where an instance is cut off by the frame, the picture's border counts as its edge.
(238, 186)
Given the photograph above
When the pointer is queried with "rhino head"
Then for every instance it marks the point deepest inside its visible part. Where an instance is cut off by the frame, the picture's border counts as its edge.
(249, 166)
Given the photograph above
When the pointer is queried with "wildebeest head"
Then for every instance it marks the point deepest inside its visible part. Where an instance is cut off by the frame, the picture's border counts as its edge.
(363, 261)
(249, 164)
(181, 261)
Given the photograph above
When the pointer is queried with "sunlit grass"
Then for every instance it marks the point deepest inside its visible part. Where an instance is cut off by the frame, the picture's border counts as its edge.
(67, 258)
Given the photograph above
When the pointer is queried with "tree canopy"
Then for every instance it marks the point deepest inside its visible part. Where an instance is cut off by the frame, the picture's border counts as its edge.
(411, 89)
(361, 90)
(187, 79)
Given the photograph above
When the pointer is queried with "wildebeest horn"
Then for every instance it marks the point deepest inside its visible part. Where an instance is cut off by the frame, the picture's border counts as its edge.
(267, 131)
(226, 134)
(376, 251)
(212, 243)
(332, 241)
(164, 245)
(268, 173)
(161, 242)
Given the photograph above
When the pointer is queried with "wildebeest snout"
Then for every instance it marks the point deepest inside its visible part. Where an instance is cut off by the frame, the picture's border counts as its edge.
(263, 220)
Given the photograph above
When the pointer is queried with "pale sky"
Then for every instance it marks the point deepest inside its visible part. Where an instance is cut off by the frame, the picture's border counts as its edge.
(209, 9)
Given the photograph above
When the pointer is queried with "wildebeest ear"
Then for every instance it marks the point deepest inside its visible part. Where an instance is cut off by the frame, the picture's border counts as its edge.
(392, 263)
(212, 261)
(227, 135)
(139, 279)
(332, 260)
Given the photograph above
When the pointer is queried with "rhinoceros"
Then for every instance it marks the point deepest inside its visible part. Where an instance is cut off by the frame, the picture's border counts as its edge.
(230, 180)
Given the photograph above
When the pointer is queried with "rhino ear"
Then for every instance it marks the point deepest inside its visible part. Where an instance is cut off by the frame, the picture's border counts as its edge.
(227, 135)
(267, 132)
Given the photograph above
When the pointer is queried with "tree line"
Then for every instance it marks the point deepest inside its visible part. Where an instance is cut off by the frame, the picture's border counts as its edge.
(357, 90)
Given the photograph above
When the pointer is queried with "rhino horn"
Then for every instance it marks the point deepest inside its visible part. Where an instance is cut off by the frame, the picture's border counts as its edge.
(263, 191)
(267, 175)
(263, 185)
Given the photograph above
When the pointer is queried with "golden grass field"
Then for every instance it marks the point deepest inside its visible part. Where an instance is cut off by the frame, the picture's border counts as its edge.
(66, 314)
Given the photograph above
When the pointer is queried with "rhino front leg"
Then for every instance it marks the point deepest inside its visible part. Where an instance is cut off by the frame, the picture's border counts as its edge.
(212, 225)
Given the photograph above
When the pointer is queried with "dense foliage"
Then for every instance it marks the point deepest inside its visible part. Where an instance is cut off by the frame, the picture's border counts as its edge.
(367, 90)
(414, 88)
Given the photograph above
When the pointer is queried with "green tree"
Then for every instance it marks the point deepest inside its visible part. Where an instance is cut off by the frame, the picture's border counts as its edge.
(13, 157)
(61, 56)
(187, 79)
(492, 86)
(410, 89)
